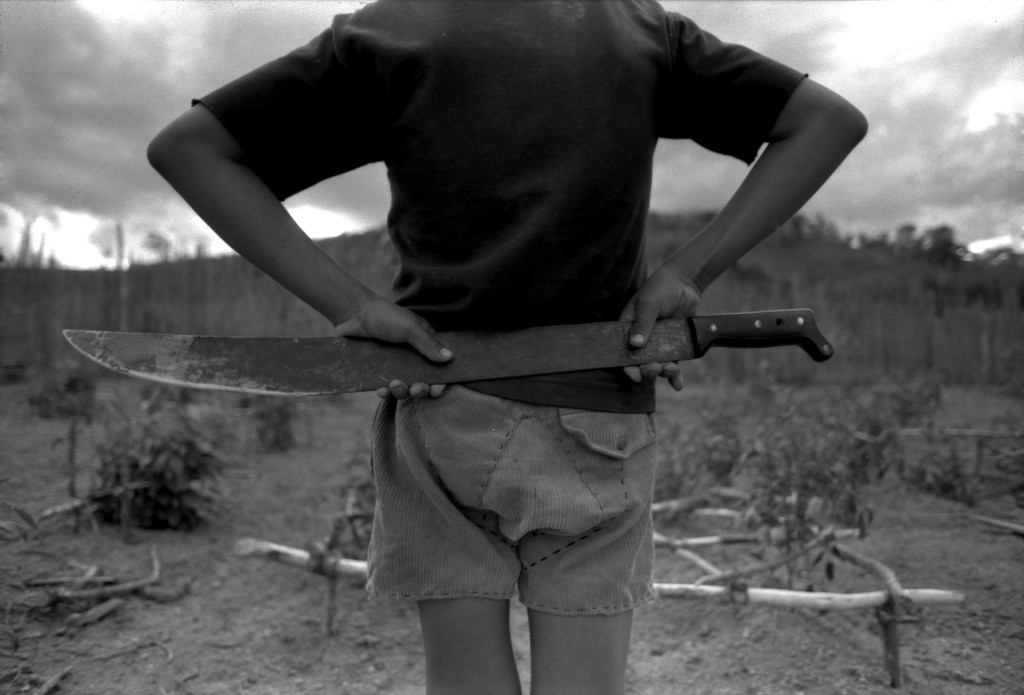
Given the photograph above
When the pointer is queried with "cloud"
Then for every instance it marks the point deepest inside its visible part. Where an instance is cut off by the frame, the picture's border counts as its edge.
(919, 72)
(84, 87)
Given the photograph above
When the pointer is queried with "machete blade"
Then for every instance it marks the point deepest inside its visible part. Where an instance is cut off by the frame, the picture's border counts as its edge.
(321, 366)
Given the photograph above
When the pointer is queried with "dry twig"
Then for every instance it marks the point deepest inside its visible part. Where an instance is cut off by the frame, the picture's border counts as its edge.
(999, 523)
(53, 680)
(105, 592)
(96, 613)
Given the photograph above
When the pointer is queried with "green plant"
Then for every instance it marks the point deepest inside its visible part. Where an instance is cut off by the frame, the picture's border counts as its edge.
(67, 394)
(874, 413)
(798, 466)
(158, 466)
(274, 422)
(941, 473)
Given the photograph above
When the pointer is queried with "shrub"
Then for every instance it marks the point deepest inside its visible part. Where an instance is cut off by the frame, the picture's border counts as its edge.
(161, 457)
(67, 394)
(274, 421)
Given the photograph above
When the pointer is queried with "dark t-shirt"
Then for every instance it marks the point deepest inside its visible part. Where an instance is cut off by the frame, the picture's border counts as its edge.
(518, 139)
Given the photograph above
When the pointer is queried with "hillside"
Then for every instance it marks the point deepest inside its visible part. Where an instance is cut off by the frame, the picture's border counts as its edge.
(915, 304)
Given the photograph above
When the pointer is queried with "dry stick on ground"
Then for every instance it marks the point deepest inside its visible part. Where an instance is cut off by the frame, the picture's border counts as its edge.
(52, 681)
(330, 601)
(251, 547)
(886, 603)
(697, 560)
(135, 647)
(81, 581)
(72, 469)
(663, 541)
(788, 598)
(126, 503)
(958, 432)
(888, 614)
(730, 575)
(892, 584)
(96, 613)
(683, 504)
(335, 566)
(999, 523)
(105, 592)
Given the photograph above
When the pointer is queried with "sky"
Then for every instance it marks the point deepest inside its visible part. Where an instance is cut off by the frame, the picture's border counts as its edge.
(85, 85)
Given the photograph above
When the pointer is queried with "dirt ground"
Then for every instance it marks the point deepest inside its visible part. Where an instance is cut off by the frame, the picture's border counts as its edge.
(255, 627)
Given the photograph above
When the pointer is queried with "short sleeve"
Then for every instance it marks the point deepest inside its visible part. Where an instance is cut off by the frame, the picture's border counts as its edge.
(304, 117)
(725, 97)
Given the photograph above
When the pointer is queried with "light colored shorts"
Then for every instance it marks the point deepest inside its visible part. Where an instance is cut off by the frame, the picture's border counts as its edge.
(478, 495)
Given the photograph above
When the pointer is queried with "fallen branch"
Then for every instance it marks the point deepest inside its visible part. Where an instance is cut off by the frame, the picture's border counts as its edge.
(96, 613)
(805, 599)
(999, 523)
(697, 560)
(957, 432)
(53, 680)
(730, 575)
(718, 512)
(883, 572)
(105, 592)
(167, 594)
(683, 504)
(58, 581)
(72, 505)
(663, 541)
(888, 614)
(133, 648)
(731, 493)
(335, 566)
(251, 547)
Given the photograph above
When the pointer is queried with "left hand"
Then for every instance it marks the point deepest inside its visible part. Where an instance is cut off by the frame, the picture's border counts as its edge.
(664, 295)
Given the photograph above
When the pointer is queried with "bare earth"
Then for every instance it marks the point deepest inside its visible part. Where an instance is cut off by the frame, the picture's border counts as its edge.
(256, 627)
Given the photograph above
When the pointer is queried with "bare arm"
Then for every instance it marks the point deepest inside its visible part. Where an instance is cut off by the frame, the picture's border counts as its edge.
(203, 162)
(813, 134)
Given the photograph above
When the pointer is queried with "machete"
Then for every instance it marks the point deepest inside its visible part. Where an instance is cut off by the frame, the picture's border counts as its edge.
(321, 366)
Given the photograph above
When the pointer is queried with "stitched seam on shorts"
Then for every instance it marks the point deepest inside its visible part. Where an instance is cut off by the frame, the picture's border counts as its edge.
(561, 436)
(509, 543)
(621, 607)
(564, 547)
(497, 457)
(459, 593)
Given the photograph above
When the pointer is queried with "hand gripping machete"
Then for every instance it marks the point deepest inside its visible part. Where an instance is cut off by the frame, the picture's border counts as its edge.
(321, 366)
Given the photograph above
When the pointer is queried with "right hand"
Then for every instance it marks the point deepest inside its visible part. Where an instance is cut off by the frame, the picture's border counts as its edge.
(663, 295)
(376, 317)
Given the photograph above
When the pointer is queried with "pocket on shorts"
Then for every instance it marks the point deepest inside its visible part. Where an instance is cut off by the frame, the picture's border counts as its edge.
(611, 456)
(616, 435)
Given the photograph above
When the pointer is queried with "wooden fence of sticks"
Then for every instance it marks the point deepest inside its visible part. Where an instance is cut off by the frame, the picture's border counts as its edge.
(889, 603)
(891, 334)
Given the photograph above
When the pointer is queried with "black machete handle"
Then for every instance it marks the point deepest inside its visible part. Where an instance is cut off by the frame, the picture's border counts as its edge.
(756, 329)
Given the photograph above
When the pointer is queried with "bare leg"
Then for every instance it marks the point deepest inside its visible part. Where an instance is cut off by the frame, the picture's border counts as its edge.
(468, 647)
(579, 654)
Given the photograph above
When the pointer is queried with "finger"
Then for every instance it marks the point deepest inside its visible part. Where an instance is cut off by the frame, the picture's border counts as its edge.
(629, 312)
(419, 390)
(652, 370)
(398, 389)
(672, 372)
(383, 392)
(643, 323)
(423, 338)
(633, 372)
(436, 390)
